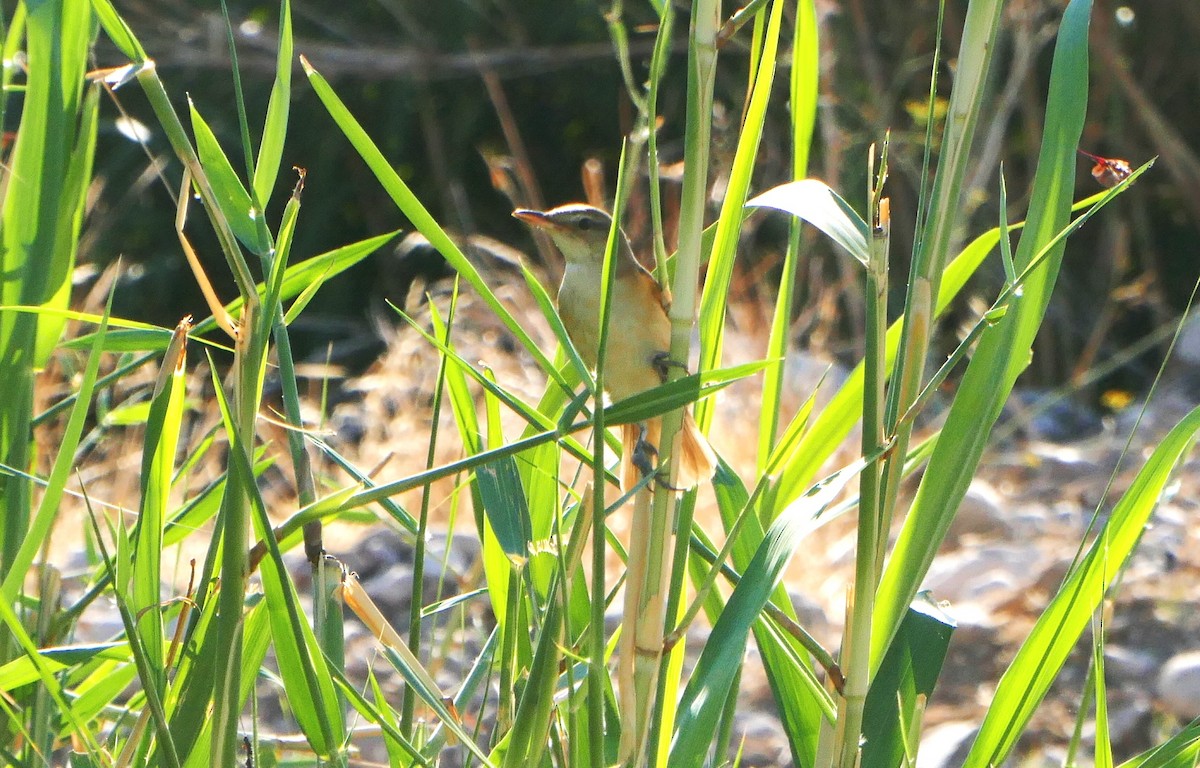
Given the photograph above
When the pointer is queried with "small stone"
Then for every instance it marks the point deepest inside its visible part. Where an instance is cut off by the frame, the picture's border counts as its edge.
(1179, 686)
(988, 575)
(1127, 664)
(980, 514)
(946, 745)
(1130, 726)
(381, 548)
(392, 591)
(761, 739)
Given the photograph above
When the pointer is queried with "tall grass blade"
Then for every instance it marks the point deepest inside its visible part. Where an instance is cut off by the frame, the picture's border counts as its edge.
(75, 189)
(160, 444)
(1103, 750)
(706, 692)
(910, 670)
(1059, 627)
(411, 207)
(1180, 751)
(729, 223)
(49, 166)
(239, 209)
(47, 511)
(1003, 351)
(803, 103)
(814, 201)
(270, 148)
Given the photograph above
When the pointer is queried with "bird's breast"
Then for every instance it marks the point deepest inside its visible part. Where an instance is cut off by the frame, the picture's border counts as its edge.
(639, 330)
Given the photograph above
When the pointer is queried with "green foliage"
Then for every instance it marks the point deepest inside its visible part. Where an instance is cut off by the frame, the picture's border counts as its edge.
(173, 687)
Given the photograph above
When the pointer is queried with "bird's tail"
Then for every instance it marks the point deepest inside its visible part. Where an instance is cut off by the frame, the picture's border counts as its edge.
(696, 459)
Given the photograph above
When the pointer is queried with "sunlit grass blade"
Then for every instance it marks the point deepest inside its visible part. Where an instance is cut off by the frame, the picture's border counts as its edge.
(1003, 350)
(706, 691)
(409, 667)
(1059, 627)
(72, 205)
(1006, 257)
(802, 101)
(301, 666)
(37, 233)
(47, 510)
(411, 207)
(729, 224)
(159, 447)
(239, 209)
(815, 202)
(803, 109)
(274, 133)
(908, 675)
(276, 264)
(1180, 751)
(1103, 757)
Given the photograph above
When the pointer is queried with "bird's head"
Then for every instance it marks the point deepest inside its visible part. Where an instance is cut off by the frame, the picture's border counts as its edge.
(580, 231)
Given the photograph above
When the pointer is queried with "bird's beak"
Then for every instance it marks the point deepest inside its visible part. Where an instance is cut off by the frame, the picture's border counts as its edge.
(536, 219)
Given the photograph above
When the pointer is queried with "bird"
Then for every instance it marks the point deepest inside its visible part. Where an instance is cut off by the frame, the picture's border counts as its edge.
(637, 353)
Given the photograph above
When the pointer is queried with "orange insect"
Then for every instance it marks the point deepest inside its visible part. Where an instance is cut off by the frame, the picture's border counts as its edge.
(1108, 172)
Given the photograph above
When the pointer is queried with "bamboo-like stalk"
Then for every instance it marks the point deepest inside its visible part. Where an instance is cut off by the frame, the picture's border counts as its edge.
(642, 630)
(704, 26)
(249, 354)
(644, 618)
(597, 669)
(932, 247)
(856, 643)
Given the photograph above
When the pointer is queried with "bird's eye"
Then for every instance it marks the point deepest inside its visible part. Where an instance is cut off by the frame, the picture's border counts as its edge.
(584, 225)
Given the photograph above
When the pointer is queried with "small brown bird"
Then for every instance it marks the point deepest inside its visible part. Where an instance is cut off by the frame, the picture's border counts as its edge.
(639, 337)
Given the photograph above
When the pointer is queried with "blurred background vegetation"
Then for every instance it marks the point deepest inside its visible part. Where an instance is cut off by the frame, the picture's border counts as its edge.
(534, 85)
